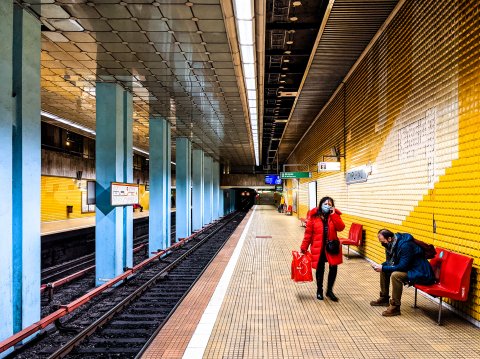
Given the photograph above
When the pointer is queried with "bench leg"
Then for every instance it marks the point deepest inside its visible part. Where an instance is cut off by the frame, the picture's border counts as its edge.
(415, 300)
(440, 312)
(348, 252)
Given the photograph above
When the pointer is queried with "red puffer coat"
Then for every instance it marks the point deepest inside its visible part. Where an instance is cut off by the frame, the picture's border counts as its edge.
(314, 236)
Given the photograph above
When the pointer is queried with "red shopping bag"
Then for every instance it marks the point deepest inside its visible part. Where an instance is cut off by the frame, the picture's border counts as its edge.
(302, 267)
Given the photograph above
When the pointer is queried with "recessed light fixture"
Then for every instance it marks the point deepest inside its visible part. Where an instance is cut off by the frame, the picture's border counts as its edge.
(288, 52)
(284, 68)
(289, 42)
(286, 60)
(293, 18)
(296, 3)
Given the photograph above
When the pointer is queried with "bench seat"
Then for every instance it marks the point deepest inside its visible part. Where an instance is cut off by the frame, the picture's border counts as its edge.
(355, 235)
(452, 271)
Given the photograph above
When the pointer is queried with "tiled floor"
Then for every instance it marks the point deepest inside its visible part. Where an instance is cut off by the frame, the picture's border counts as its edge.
(266, 315)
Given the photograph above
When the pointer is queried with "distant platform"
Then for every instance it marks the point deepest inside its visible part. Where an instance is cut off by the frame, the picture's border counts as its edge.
(68, 225)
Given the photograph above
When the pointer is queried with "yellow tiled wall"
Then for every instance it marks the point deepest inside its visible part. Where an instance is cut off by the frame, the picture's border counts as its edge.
(57, 194)
(411, 118)
(60, 192)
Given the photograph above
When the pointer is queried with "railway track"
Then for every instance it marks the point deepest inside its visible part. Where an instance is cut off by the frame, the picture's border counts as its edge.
(118, 323)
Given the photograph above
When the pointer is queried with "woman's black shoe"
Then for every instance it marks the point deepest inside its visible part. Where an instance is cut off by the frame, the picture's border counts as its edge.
(319, 296)
(332, 296)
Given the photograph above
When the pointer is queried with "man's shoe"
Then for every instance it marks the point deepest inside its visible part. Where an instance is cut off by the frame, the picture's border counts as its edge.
(320, 295)
(380, 302)
(332, 296)
(392, 310)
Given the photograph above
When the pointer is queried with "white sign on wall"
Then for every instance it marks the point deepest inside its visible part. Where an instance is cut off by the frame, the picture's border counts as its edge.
(328, 166)
(124, 194)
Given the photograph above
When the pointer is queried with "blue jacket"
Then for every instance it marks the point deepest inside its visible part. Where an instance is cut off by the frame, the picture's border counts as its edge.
(409, 257)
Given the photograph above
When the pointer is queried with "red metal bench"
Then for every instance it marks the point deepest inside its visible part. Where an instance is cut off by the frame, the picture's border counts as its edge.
(303, 221)
(452, 271)
(355, 235)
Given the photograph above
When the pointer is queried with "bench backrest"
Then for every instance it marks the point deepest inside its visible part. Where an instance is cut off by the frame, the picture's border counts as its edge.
(455, 272)
(355, 233)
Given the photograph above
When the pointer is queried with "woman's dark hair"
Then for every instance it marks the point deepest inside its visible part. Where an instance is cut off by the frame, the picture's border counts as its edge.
(323, 200)
(326, 198)
(386, 233)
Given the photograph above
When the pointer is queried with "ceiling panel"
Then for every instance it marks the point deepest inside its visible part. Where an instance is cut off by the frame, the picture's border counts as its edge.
(348, 30)
(174, 58)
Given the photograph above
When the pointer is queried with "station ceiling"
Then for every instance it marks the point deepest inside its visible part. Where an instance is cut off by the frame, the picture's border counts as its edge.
(179, 61)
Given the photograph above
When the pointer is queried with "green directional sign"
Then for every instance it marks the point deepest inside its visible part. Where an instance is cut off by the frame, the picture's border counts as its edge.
(287, 175)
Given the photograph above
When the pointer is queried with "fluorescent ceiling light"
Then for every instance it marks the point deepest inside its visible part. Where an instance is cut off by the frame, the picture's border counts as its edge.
(247, 54)
(245, 32)
(67, 122)
(252, 103)
(249, 70)
(250, 84)
(75, 125)
(243, 9)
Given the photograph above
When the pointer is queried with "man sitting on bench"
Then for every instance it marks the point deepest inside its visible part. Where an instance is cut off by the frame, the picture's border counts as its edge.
(405, 263)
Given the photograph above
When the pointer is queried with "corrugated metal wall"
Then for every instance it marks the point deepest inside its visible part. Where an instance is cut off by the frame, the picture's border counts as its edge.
(410, 114)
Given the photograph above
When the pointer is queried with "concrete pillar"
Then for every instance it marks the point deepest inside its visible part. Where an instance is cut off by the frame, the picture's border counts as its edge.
(183, 180)
(128, 176)
(208, 191)
(221, 205)
(113, 164)
(21, 240)
(197, 189)
(160, 184)
(216, 188)
(232, 200)
(6, 123)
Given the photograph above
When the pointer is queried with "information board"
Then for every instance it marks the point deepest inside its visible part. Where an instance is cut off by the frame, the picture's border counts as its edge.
(124, 194)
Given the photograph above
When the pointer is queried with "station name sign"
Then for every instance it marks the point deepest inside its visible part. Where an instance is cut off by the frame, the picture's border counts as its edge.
(356, 176)
(288, 175)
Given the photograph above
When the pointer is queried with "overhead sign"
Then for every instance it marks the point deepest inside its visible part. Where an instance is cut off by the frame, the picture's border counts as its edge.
(287, 175)
(279, 188)
(328, 166)
(124, 194)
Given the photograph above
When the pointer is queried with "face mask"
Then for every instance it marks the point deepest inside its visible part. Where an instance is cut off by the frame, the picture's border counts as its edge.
(325, 208)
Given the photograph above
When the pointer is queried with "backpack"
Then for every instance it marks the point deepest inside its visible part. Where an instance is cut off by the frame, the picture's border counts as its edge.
(428, 249)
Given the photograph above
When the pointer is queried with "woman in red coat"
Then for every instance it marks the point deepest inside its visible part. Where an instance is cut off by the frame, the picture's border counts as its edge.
(324, 222)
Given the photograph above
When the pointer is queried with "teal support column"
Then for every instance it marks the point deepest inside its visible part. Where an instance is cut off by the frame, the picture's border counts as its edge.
(216, 188)
(128, 176)
(26, 169)
(232, 200)
(160, 184)
(183, 178)
(197, 189)
(208, 190)
(221, 205)
(114, 132)
(6, 124)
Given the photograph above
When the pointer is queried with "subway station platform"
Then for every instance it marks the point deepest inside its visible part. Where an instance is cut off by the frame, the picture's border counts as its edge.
(67, 225)
(246, 306)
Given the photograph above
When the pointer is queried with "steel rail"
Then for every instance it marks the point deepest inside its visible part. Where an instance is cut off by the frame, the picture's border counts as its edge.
(105, 318)
(69, 308)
